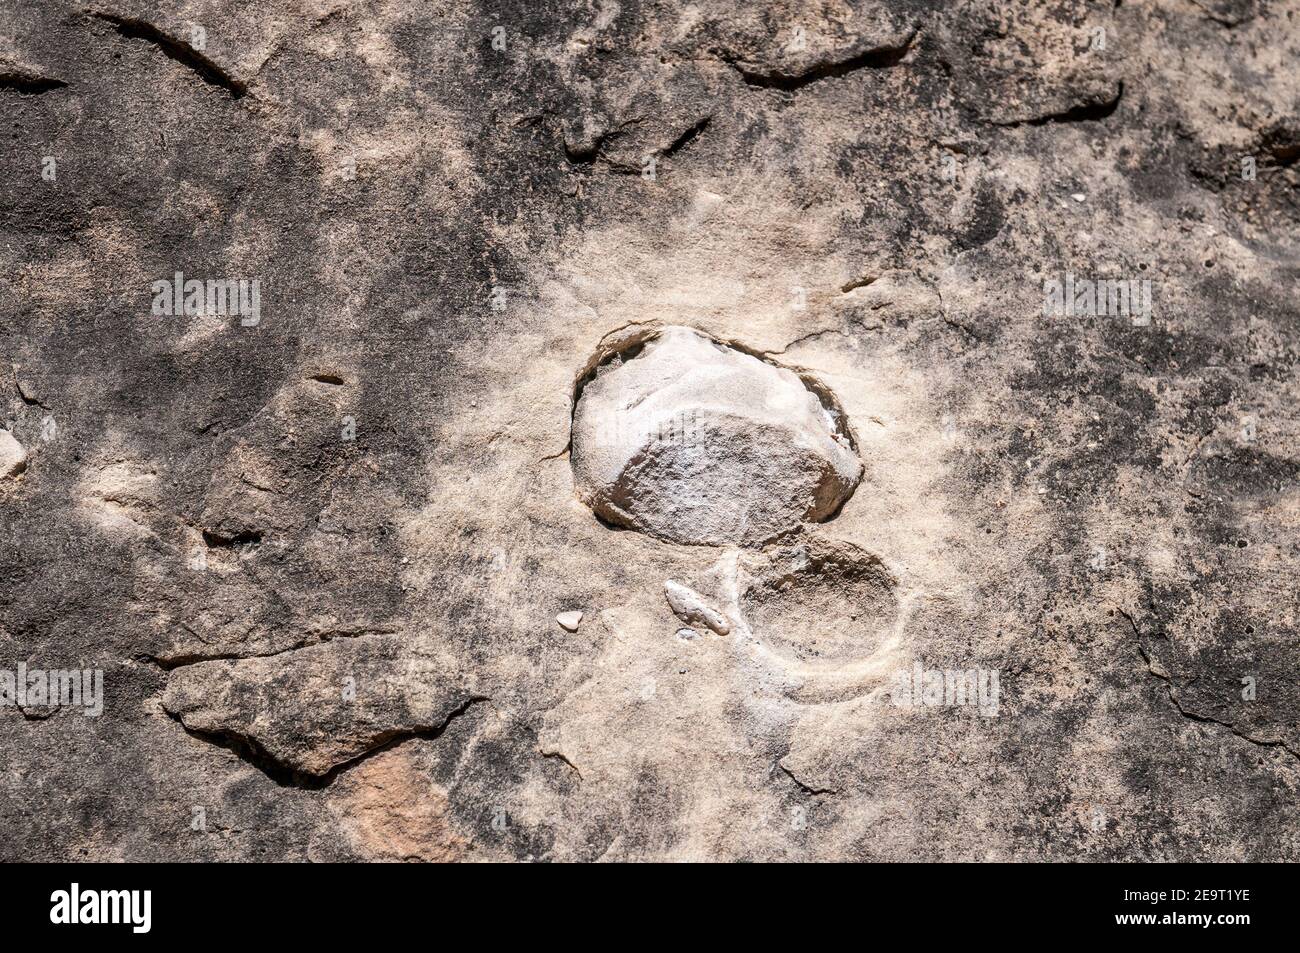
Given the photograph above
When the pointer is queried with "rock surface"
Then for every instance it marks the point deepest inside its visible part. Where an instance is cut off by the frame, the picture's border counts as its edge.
(695, 442)
(317, 558)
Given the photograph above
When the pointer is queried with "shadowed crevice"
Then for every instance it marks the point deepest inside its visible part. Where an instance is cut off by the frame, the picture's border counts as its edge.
(686, 138)
(29, 84)
(881, 57)
(1084, 112)
(251, 752)
(178, 50)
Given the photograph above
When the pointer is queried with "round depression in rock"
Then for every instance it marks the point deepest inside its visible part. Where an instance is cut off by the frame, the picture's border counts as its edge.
(692, 441)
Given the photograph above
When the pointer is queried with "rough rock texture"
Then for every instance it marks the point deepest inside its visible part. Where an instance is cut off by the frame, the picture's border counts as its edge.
(319, 557)
(695, 442)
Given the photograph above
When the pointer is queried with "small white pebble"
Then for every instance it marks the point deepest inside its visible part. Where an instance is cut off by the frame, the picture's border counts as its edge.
(569, 620)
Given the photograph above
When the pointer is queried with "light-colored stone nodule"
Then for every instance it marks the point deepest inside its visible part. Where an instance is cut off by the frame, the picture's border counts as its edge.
(696, 442)
(13, 458)
(569, 621)
(689, 606)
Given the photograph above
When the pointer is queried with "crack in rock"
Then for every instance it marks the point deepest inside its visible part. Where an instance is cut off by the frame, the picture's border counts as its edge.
(29, 84)
(1093, 111)
(1192, 715)
(561, 756)
(598, 149)
(806, 788)
(176, 49)
(789, 81)
(171, 662)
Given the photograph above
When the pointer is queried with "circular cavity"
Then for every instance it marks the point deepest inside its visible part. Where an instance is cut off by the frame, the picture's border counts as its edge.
(818, 604)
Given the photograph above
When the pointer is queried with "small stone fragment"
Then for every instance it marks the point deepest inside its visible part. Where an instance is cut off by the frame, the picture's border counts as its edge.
(569, 620)
(13, 458)
(690, 607)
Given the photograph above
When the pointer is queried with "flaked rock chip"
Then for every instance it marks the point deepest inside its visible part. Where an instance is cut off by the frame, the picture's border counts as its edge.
(696, 442)
(311, 710)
